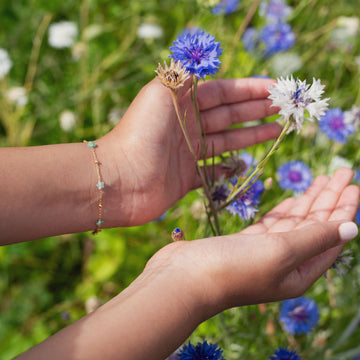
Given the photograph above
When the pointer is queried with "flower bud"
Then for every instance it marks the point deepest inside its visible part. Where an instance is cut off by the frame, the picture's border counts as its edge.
(177, 234)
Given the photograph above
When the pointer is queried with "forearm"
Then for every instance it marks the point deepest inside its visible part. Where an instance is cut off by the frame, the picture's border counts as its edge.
(51, 190)
(153, 316)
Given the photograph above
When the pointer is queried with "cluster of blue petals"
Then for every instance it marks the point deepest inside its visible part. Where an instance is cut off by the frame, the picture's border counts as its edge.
(198, 52)
(226, 7)
(299, 316)
(202, 351)
(275, 36)
(246, 205)
(333, 124)
(285, 354)
(294, 175)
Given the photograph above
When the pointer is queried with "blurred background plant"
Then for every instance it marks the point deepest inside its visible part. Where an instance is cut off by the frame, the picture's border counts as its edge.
(69, 70)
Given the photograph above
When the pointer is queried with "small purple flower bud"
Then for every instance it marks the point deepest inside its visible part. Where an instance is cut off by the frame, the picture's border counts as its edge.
(177, 234)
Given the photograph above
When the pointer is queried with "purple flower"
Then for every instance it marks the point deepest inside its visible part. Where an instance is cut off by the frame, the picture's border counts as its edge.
(275, 10)
(198, 53)
(246, 205)
(357, 216)
(294, 175)
(202, 351)
(272, 38)
(285, 354)
(299, 316)
(276, 37)
(225, 7)
(251, 39)
(334, 126)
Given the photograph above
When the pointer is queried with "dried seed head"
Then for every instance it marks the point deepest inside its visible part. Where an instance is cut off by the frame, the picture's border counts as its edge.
(173, 76)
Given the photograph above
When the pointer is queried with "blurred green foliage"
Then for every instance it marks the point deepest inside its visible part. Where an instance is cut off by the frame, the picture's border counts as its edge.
(46, 284)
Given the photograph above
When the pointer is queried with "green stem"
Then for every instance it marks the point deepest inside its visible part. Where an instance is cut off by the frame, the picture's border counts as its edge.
(238, 189)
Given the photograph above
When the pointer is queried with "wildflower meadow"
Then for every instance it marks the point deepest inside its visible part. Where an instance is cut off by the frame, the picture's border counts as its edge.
(68, 72)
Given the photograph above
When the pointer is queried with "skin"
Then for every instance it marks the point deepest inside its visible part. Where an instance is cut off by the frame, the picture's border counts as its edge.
(147, 168)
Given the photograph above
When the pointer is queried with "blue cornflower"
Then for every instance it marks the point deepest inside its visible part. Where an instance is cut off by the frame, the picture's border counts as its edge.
(225, 7)
(299, 316)
(276, 37)
(285, 354)
(198, 53)
(357, 216)
(294, 175)
(246, 205)
(251, 39)
(202, 351)
(275, 10)
(333, 124)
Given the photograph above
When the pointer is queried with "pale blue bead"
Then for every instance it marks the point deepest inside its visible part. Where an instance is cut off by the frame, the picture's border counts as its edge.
(100, 185)
(100, 222)
(91, 144)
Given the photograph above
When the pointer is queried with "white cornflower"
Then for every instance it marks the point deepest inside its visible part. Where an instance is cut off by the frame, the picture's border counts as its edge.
(294, 97)
(338, 162)
(67, 120)
(62, 34)
(5, 63)
(17, 95)
(353, 116)
(149, 31)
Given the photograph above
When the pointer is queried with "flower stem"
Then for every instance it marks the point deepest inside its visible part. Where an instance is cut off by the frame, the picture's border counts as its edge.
(240, 189)
(213, 211)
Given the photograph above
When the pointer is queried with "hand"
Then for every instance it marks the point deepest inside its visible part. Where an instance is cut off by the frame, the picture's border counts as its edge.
(148, 162)
(279, 257)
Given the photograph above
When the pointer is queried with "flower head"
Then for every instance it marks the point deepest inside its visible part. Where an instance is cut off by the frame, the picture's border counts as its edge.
(62, 34)
(177, 234)
(294, 175)
(67, 120)
(343, 261)
(246, 205)
(149, 31)
(285, 354)
(202, 351)
(294, 97)
(276, 37)
(299, 316)
(353, 117)
(198, 52)
(17, 95)
(333, 124)
(5, 63)
(225, 7)
(173, 76)
(236, 165)
(275, 10)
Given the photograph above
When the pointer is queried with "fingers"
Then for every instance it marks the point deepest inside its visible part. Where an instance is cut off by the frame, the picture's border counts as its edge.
(312, 251)
(347, 205)
(230, 91)
(327, 200)
(235, 139)
(300, 209)
(222, 117)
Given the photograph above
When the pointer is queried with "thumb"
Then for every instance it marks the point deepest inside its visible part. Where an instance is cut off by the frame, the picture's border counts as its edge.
(315, 239)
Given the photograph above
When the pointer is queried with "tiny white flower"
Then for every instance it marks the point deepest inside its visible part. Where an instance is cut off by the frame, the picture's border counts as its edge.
(17, 95)
(62, 34)
(285, 63)
(338, 162)
(353, 116)
(67, 120)
(115, 114)
(149, 31)
(5, 63)
(294, 97)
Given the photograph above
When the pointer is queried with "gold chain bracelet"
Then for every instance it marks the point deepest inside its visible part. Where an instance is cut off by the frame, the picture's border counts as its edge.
(100, 186)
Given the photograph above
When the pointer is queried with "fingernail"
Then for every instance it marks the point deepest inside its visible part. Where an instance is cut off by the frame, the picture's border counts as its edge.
(348, 231)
